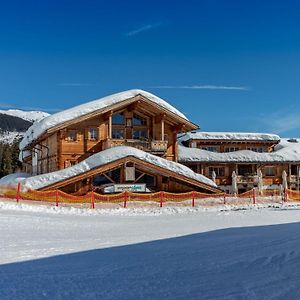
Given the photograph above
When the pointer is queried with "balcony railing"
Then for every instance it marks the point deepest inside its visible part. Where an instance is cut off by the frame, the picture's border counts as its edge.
(247, 179)
(149, 146)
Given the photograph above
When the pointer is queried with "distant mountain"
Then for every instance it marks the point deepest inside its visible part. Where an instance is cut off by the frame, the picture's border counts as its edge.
(30, 116)
(14, 122)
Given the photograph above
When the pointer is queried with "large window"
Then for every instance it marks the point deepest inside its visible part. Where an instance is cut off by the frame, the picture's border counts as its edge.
(139, 121)
(139, 134)
(118, 134)
(118, 119)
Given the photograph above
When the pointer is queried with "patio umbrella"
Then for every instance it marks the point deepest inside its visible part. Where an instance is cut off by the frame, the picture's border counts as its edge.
(213, 176)
(234, 183)
(284, 180)
(260, 183)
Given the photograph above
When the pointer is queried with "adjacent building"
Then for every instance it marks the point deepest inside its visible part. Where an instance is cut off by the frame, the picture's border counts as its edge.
(218, 154)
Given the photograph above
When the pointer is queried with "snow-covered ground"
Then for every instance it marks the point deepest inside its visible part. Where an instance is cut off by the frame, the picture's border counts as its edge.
(168, 253)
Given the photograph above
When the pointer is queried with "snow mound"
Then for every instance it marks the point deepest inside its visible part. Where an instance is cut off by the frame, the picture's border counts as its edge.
(108, 156)
(40, 127)
(14, 178)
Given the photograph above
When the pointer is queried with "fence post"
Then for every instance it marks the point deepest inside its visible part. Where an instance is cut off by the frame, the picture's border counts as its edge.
(18, 192)
(56, 197)
(92, 200)
(254, 196)
(224, 198)
(125, 199)
(161, 198)
(193, 199)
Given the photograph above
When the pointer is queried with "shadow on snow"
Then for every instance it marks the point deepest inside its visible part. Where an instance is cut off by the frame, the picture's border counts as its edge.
(245, 263)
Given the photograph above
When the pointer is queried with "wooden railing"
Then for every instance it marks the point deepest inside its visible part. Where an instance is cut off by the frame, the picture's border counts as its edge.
(150, 146)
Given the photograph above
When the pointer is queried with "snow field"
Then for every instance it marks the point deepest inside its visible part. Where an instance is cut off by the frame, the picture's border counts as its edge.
(225, 252)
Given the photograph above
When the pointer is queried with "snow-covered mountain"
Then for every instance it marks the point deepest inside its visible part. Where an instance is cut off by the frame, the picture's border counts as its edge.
(30, 116)
(15, 122)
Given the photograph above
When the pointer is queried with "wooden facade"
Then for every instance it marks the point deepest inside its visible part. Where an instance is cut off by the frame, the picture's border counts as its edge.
(136, 122)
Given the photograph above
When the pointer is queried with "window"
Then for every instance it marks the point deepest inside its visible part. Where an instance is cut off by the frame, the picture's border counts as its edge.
(269, 171)
(220, 171)
(256, 149)
(210, 148)
(93, 133)
(139, 121)
(118, 119)
(118, 134)
(231, 149)
(245, 170)
(72, 136)
(70, 163)
(140, 134)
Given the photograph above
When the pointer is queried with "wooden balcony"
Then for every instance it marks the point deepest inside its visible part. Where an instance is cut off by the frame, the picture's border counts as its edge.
(154, 146)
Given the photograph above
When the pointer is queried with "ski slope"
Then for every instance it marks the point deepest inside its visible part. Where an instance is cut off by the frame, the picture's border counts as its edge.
(64, 253)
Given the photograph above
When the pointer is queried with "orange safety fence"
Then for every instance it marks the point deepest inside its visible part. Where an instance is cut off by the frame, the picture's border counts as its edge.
(293, 196)
(193, 197)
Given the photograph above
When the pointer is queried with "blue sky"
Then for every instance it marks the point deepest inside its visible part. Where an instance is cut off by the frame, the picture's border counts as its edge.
(228, 65)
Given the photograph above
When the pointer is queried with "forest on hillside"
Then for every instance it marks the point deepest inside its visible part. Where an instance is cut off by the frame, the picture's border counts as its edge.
(9, 162)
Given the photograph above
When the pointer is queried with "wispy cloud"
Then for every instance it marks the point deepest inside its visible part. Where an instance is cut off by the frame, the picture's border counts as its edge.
(282, 121)
(12, 106)
(203, 87)
(75, 84)
(143, 28)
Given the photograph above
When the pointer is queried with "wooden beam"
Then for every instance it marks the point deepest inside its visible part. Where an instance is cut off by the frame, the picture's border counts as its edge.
(139, 177)
(108, 178)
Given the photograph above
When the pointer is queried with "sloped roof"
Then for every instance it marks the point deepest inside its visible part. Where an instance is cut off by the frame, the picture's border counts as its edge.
(285, 152)
(232, 136)
(38, 128)
(109, 156)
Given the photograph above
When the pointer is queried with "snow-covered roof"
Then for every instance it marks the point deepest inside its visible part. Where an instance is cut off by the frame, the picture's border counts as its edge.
(108, 156)
(233, 136)
(284, 152)
(38, 128)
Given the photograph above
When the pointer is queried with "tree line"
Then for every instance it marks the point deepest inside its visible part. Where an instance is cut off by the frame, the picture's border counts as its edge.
(9, 158)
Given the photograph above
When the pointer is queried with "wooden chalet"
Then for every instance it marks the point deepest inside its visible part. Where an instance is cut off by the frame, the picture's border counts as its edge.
(137, 119)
